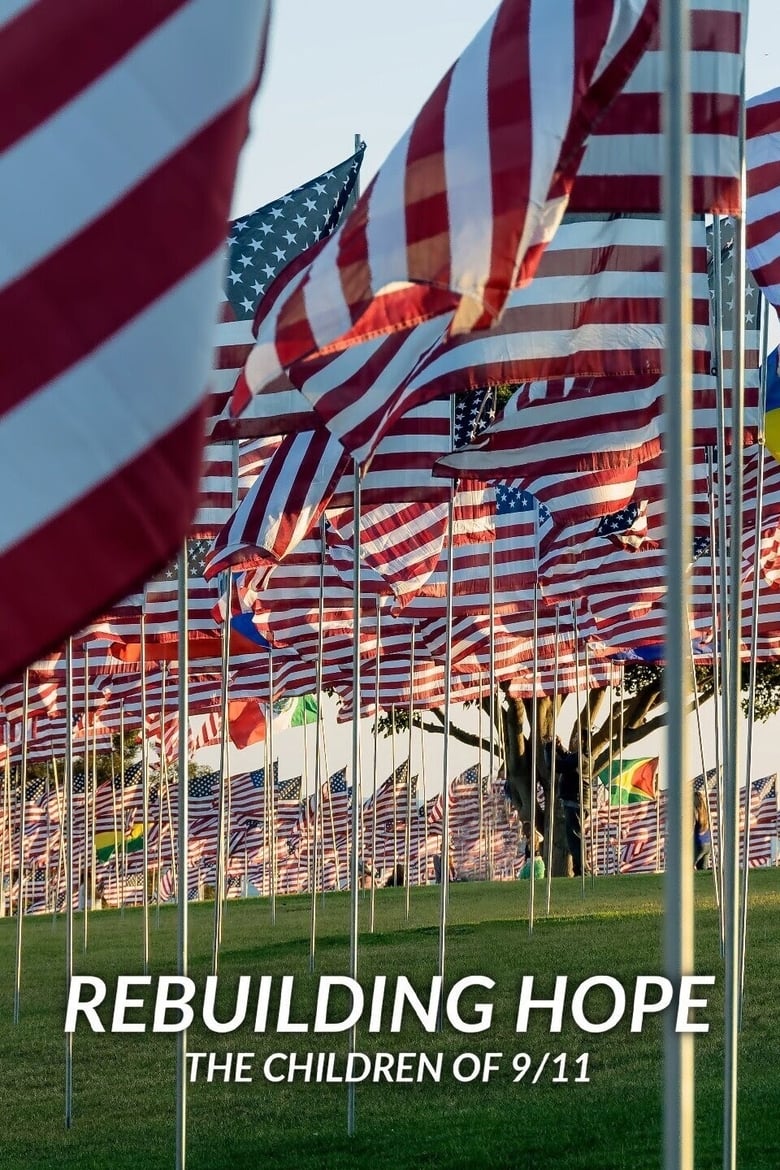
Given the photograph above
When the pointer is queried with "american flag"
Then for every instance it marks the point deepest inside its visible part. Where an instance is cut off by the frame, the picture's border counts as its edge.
(763, 192)
(473, 248)
(123, 390)
(627, 527)
(623, 162)
(259, 247)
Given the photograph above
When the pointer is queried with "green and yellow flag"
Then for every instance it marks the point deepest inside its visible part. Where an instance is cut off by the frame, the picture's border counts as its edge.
(635, 782)
(106, 844)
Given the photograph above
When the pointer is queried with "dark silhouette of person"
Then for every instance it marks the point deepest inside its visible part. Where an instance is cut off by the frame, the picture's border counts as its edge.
(567, 767)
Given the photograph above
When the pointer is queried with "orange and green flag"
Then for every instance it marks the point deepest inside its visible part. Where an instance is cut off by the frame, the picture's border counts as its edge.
(107, 843)
(634, 782)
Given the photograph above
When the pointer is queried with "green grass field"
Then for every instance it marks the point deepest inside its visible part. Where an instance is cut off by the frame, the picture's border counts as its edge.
(123, 1083)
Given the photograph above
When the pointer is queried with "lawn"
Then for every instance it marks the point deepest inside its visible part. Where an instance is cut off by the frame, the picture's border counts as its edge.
(123, 1082)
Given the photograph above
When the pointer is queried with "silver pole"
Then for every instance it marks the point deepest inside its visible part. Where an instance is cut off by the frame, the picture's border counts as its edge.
(751, 714)
(553, 797)
(534, 729)
(123, 855)
(721, 642)
(445, 795)
(697, 707)
(353, 869)
(581, 795)
(318, 757)
(68, 870)
(408, 834)
(733, 770)
(22, 828)
(678, 885)
(145, 799)
(181, 849)
(716, 555)
(87, 851)
(492, 672)
(377, 697)
(271, 787)
(224, 781)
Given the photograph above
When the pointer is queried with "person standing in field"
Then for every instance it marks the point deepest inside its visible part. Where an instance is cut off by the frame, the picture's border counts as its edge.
(702, 834)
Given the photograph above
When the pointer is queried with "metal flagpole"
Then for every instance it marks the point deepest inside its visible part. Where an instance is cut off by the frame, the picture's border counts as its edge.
(678, 882)
(224, 780)
(122, 803)
(377, 696)
(722, 633)
(181, 849)
(145, 798)
(163, 768)
(22, 828)
(578, 725)
(395, 793)
(621, 732)
(732, 771)
(68, 870)
(492, 708)
(551, 803)
(482, 853)
(716, 554)
(115, 822)
(356, 708)
(5, 826)
(534, 727)
(408, 834)
(87, 852)
(445, 794)
(610, 767)
(271, 786)
(592, 830)
(60, 799)
(318, 757)
(423, 789)
(751, 713)
(697, 708)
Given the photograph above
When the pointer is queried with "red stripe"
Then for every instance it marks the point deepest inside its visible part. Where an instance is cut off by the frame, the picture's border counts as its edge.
(153, 497)
(642, 193)
(124, 265)
(642, 113)
(52, 51)
(510, 131)
(426, 217)
(763, 118)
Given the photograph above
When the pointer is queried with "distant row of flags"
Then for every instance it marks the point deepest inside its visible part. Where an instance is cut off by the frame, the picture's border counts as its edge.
(625, 832)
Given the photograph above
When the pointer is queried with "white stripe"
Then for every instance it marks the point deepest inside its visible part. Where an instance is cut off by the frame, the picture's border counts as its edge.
(107, 409)
(710, 73)
(551, 56)
(232, 333)
(121, 128)
(625, 17)
(549, 344)
(641, 154)
(469, 168)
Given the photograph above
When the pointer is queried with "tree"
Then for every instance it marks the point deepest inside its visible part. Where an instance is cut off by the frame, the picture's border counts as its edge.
(637, 709)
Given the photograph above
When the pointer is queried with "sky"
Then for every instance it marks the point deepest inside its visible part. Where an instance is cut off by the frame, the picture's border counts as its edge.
(350, 67)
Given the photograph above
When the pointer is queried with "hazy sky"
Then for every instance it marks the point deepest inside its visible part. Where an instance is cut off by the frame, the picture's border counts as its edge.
(351, 66)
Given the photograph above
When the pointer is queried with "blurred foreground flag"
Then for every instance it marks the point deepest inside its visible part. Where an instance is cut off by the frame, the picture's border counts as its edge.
(772, 418)
(762, 155)
(461, 210)
(121, 129)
